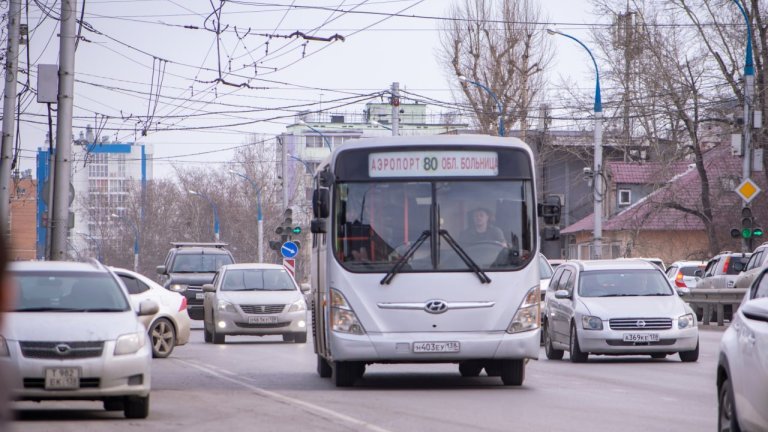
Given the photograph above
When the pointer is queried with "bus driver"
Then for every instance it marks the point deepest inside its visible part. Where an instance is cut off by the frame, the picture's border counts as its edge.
(481, 229)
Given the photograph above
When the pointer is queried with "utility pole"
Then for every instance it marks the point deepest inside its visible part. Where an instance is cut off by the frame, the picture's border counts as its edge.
(63, 170)
(624, 37)
(284, 167)
(9, 108)
(395, 108)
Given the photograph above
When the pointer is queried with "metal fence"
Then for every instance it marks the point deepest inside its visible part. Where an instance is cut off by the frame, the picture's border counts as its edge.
(719, 304)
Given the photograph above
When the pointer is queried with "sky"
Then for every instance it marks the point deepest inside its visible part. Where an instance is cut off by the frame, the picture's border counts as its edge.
(150, 64)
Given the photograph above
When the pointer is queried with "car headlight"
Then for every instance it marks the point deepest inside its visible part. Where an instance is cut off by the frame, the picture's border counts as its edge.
(687, 320)
(130, 343)
(591, 323)
(4, 351)
(226, 306)
(298, 306)
(527, 316)
(179, 288)
(343, 318)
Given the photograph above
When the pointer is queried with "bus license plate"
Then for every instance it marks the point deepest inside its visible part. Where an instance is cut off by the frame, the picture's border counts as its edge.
(436, 347)
(62, 378)
(641, 337)
(262, 320)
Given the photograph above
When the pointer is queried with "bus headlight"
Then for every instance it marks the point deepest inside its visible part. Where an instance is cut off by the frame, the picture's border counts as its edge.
(343, 318)
(527, 316)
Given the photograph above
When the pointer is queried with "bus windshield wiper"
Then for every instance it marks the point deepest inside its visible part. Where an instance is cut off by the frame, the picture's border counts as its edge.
(406, 256)
(465, 257)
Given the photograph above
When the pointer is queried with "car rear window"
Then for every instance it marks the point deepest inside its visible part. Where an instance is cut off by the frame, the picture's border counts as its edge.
(690, 271)
(45, 291)
(737, 265)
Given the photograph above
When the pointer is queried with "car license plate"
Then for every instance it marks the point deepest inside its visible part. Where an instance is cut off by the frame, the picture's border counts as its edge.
(262, 320)
(641, 337)
(199, 296)
(62, 378)
(436, 347)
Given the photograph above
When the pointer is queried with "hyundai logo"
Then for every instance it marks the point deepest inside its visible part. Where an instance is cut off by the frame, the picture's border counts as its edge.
(62, 349)
(640, 323)
(436, 306)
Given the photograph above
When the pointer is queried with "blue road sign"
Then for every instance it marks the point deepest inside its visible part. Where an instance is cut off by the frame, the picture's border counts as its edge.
(289, 249)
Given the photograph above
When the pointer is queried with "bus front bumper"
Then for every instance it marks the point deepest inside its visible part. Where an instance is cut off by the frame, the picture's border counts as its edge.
(427, 347)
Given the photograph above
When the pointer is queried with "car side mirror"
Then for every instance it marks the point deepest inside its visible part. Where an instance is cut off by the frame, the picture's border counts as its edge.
(305, 287)
(682, 291)
(160, 269)
(562, 294)
(209, 288)
(148, 307)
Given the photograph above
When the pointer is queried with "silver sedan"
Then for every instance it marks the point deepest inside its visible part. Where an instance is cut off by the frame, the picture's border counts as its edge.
(256, 300)
(617, 307)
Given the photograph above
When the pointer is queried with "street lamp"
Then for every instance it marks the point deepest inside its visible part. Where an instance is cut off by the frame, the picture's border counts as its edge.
(309, 169)
(462, 78)
(96, 244)
(597, 170)
(376, 123)
(259, 218)
(325, 138)
(215, 213)
(135, 240)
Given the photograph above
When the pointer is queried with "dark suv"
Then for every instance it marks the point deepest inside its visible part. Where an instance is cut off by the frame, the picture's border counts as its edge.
(189, 266)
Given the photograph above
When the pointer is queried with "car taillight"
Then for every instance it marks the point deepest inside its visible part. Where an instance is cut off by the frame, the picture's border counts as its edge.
(726, 262)
(183, 304)
(679, 280)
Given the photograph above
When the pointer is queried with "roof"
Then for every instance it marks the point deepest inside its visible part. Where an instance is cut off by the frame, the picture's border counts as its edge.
(645, 173)
(656, 211)
(614, 264)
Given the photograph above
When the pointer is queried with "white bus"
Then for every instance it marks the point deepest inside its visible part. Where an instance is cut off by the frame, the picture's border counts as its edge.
(424, 250)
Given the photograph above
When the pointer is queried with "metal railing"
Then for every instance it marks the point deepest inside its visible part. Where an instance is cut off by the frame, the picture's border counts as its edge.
(710, 301)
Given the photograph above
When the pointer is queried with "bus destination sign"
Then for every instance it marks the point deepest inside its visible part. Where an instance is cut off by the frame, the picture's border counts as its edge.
(433, 164)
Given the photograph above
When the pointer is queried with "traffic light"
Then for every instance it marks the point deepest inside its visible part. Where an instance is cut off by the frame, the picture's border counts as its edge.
(274, 245)
(296, 230)
(747, 223)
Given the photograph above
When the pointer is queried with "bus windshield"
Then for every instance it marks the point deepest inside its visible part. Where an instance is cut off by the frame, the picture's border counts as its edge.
(489, 221)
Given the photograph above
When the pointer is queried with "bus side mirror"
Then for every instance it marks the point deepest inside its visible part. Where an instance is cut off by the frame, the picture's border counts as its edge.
(317, 226)
(325, 178)
(320, 203)
(550, 210)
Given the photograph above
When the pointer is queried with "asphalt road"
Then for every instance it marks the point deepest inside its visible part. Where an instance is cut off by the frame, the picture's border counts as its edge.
(267, 385)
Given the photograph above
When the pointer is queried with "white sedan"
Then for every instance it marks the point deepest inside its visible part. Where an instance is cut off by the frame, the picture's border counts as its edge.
(742, 370)
(169, 327)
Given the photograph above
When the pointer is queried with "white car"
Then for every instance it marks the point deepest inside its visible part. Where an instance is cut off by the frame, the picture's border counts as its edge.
(255, 300)
(617, 307)
(73, 334)
(742, 370)
(169, 327)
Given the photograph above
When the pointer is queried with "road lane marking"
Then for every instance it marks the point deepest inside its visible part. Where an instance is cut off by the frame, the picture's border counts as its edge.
(220, 373)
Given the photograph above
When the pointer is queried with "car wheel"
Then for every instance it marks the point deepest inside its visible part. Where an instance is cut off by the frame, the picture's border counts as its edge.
(136, 407)
(690, 356)
(345, 374)
(549, 350)
(323, 368)
(207, 333)
(218, 339)
(513, 372)
(577, 356)
(470, 368)
(163, 337)
(658, 355)
(114, 404)
(726, 410)
(300, 338)
(287, 337)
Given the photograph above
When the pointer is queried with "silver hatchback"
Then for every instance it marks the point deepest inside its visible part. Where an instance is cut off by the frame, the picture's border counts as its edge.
(616, 307)
(255, 300)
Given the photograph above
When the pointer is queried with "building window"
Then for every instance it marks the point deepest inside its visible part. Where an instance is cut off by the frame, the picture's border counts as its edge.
(625, 197)
(315, 141)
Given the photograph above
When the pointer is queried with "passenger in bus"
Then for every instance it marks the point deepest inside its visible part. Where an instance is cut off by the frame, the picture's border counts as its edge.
(481, 229)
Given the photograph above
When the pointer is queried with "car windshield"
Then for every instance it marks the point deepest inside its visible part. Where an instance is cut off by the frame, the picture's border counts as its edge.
(200, 263)
(489, 222)
(621, 283)
(257, 280)
(44, 291)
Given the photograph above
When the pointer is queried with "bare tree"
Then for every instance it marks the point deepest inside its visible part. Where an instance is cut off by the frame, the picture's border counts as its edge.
(498, 44)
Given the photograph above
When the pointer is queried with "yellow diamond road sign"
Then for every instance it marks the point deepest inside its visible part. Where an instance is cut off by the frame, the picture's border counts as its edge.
(747, 190)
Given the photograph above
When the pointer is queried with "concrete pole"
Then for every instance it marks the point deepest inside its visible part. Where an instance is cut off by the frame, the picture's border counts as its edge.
(395, 108)
(749, 90)
(9, 109)
(284, 162)
(63, 171)
(598, 183)
(261, 240)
